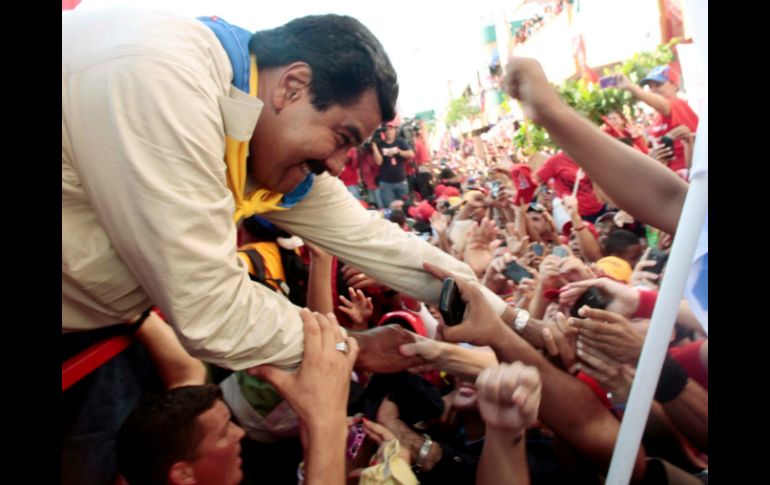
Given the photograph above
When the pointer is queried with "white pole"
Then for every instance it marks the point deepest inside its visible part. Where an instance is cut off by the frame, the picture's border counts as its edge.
(688, 231)
(659, 333)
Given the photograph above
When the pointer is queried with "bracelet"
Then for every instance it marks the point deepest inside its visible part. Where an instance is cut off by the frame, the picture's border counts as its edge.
(423, 454)
(647, 299)
(521, 320)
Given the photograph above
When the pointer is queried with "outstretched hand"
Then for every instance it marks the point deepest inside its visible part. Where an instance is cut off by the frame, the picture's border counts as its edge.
(318, 390)
(481, 325)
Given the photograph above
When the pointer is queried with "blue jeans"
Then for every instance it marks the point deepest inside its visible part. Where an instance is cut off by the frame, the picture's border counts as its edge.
(353, 189)
(393, 191)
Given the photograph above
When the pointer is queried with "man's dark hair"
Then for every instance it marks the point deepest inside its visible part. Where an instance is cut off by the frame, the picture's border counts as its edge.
(162, 431)
(346, 59)
(398, 216)
(446, 173)
(618, 241)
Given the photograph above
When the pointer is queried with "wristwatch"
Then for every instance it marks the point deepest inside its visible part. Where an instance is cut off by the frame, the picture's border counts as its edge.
(522, 318)
(424, 450)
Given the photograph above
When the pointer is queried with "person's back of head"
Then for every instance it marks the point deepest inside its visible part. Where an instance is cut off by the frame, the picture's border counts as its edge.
(398, 216)
(162, 431)
(345, 57)
(623, 244)
(446, 174)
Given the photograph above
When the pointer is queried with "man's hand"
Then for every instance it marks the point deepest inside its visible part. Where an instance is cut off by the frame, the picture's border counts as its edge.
(683, 133)
(623, 299)
(316, 253)
(573, 269)
(608, 333)
(318, 391)
(640, 277)
(427, 349)
(622, 218)
(662, 153)
(611, 374)
(475, 207)
(354, 278)
(509, 397)
(516, 244)
(380, 435)
(525, 80)
(481, 246)
(571, 204)
(379, 349)
(495, 279)
(549, 272)
(560, 341)
(504, 199)
(481, 325)
(624, 83)
(359, 308)
(439, 222)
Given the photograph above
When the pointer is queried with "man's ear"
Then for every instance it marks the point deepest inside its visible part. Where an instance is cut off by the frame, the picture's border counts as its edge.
(181, 473)
(293, 84)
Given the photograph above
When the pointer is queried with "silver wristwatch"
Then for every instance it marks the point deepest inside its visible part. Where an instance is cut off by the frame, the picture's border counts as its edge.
(424, 450)
(522, 318)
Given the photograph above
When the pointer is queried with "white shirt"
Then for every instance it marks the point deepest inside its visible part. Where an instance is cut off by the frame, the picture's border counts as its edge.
(146, 213)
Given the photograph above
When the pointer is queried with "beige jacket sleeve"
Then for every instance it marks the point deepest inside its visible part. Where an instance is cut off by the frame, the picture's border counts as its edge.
(144, 138)
(334, 220)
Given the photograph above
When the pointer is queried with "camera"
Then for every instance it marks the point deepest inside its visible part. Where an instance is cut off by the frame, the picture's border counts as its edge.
(451, 305)
(608, 82)
(667, 142)
(593, 298)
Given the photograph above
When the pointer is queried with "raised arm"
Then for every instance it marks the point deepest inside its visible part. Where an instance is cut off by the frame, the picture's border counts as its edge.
(656, 195)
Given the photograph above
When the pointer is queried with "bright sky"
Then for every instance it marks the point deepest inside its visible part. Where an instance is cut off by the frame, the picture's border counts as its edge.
(431, 42)
(428, 41)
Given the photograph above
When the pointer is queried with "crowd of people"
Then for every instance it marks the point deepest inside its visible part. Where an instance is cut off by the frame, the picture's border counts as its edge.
(244, 205)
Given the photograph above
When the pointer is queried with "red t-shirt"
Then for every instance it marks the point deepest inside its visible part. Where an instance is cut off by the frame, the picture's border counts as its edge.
(349, 174)
(369, 169)
(563, 170)
(638, 142)
(681, 114)
(522, 179)
(420, 152)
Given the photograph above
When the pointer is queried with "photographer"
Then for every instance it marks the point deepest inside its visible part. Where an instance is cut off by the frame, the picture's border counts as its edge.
(391, 155)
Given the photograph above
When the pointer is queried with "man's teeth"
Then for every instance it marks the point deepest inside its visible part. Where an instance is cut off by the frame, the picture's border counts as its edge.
(305, 168)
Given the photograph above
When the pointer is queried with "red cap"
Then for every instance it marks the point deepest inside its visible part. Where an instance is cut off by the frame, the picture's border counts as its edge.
(408, 320)
(423, 211)
(451, 192)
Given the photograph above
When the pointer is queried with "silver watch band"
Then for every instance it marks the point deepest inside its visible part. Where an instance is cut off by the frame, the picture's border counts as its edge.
(521, 320)
(424, 450)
